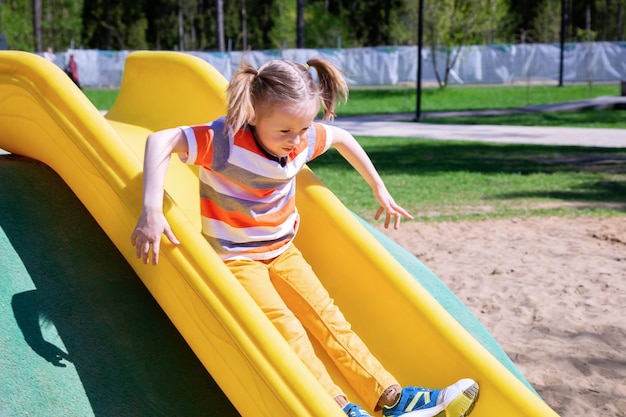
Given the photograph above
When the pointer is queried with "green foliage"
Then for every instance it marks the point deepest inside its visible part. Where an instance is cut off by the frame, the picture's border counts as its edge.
(117, 25)
(372, 21)
(322, 28)
(62, 22)
(405, 31)
(260, 22)
(271, 24)
(162, 20)
(606, 19)
(545, 28)
(232, 24)
(610, 18)
(282, 33)
(136, 34)
(16, 19)
(586, 35)
(451, 24)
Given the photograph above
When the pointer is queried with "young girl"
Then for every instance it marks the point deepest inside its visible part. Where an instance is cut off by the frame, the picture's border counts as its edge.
(249, 160)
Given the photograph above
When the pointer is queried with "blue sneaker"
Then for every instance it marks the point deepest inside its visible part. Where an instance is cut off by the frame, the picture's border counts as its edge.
(457, 400)
(353, 410)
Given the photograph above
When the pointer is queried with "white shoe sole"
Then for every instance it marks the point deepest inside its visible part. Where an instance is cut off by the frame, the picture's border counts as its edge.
(459, 400)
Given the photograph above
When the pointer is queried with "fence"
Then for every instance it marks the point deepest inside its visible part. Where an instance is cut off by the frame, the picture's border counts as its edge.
(489, 64)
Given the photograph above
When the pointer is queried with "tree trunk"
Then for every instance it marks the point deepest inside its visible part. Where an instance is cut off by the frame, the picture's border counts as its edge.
(244, 25)
(619, 24)
(220, 25)
(37, 12)
(300, 25)
(181, 27)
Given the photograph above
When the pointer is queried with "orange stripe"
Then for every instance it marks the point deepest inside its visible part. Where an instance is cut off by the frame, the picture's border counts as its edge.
(241, 220)
(320, 139)
(204, 140)
(245, 140)
(257, 192)
(302, 146)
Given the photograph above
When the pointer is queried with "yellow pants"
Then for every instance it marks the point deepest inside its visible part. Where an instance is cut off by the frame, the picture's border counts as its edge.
(293, 298)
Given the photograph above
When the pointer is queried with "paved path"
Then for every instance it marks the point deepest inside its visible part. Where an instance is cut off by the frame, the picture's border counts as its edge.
(566, 136)
(400, 125)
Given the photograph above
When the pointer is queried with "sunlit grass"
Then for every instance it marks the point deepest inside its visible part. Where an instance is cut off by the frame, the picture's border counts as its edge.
(101, 99)
(455, 98)
(448, 180)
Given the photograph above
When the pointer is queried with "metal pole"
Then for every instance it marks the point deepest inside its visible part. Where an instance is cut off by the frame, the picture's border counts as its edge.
(420, 38)
(563, 19)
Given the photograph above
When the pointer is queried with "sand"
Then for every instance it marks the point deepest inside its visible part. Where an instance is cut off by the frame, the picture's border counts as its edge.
(552, 291)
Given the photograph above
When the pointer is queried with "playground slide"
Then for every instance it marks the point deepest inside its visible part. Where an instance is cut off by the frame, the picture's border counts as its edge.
(416, 327)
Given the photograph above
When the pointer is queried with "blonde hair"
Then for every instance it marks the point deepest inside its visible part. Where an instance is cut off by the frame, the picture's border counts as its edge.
(253, 91)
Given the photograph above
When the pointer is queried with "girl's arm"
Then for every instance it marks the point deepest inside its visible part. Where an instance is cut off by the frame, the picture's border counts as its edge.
(350, 149)
(152, 223)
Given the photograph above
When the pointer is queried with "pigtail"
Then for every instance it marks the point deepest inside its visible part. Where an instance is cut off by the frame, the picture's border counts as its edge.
(239, 96)
(253, 91)
(332, 86)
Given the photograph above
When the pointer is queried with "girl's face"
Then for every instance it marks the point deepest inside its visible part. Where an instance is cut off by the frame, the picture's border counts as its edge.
(285, 126)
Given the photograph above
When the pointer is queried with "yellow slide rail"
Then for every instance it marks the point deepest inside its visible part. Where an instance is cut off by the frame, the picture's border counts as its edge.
(43, 115)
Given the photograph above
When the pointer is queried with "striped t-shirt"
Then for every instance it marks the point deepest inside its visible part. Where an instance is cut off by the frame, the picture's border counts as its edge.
(248, 198)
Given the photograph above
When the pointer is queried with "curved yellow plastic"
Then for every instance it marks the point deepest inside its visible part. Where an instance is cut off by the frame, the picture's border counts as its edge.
(44, 116)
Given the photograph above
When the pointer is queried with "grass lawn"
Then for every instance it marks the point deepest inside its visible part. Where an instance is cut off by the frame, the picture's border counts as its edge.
(448, 180)
(454, 98)
(103, 99)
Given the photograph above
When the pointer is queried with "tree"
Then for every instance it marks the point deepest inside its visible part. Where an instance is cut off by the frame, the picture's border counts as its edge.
(522, 12)
(324, 27)
(115, 24)
(545, 27)
(16, 23)
(451, 24)
(260, 26)
(282, 28)
(56, 24)
(372, 21)
(161, 17)
(208, 25)
(610, 19)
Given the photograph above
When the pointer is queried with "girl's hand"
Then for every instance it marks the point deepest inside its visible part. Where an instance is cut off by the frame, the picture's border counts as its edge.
(150, 227)
(390, 207)
(350, 149)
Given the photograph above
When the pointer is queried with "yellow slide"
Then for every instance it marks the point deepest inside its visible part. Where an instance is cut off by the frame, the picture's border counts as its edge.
(43, 115)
